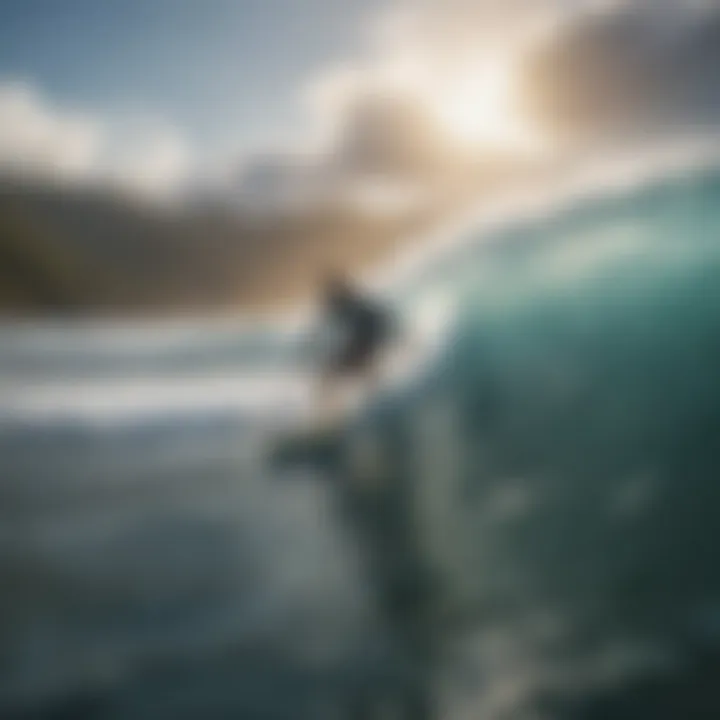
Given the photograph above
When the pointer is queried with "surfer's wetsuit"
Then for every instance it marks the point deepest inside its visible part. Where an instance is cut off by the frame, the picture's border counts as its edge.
(364, 326)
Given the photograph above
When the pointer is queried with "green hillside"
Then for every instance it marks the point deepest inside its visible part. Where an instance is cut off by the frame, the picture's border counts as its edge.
(64, 251)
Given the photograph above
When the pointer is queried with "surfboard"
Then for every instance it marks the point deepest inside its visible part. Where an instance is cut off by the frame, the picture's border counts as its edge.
(316, 446)
(319, 441)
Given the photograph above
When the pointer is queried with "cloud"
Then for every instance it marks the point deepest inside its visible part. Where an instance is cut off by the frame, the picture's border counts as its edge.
(588, 70)
(148, 156)
(550, 74)
(41, 140)
(427, 63)
(34, 138)
(387, 134)
(376, 146)
(373, 120)
(638, 69)
(381, 128)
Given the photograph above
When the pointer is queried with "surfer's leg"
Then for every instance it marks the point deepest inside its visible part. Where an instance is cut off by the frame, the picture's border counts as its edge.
(327, 397)
(367, 374)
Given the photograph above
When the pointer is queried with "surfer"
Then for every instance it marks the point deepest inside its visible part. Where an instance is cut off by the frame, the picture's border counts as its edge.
(376, 503)
(360, 328)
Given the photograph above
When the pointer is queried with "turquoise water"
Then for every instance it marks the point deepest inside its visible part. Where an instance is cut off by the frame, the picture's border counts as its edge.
(553, 501)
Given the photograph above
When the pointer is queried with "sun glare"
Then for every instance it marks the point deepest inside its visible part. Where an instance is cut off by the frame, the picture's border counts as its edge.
(478, 109)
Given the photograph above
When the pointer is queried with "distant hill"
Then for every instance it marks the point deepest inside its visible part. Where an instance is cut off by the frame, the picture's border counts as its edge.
(71, 251)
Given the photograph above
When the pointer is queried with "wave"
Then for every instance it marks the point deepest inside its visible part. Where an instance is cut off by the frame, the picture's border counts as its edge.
(550, 475)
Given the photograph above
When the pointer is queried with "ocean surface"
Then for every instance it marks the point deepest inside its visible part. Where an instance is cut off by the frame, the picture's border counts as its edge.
(551, 436)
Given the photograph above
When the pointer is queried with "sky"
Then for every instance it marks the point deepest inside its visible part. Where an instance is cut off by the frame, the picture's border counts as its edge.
(156, 93)
(227, 71)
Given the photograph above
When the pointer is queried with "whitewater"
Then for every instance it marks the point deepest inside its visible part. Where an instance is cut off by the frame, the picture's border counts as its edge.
(555, 424)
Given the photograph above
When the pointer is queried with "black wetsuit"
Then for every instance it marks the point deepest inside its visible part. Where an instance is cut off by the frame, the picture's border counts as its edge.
(365, 327)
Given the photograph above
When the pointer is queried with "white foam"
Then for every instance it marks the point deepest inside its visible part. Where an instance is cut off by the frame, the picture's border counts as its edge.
(119, 400)
(613, 175)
